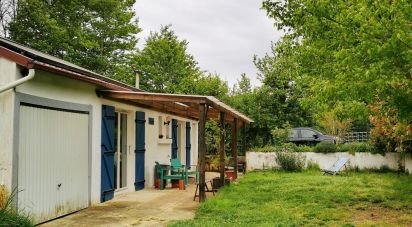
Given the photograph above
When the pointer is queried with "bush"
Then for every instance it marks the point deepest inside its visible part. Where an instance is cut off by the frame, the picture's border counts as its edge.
(357, 147)
(325, 147)
(280, 135)
(304, 148)
(8, 214)
(279, 148)
(312, 165)
(290, 161)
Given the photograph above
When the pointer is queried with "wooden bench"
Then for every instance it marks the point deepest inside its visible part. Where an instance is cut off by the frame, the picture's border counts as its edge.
(165, 173)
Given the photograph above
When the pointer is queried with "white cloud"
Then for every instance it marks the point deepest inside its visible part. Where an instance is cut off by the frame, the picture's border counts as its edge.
(223, 35)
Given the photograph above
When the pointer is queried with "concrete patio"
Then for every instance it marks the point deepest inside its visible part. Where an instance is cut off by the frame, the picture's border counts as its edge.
(148, 207)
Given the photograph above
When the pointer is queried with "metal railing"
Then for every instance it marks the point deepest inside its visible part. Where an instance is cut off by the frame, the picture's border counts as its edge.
(356, 137)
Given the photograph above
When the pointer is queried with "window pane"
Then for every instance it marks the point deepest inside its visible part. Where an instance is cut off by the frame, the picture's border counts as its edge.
(307, 133)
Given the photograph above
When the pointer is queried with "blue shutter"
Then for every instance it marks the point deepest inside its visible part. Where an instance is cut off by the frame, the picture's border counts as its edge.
(174, 138)
(188, 144)
(140, 150)
(107, 153)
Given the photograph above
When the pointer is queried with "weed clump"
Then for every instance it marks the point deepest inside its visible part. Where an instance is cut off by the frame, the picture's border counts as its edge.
(290, 161)
(9, 216)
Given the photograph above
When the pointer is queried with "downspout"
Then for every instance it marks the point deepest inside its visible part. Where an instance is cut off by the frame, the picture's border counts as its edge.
(16, 83)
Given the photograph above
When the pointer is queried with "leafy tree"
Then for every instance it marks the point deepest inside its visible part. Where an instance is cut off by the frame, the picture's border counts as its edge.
(7, 13)
(243, 85)
(165, 63)
(211, 85)
(95, 34)
(352, 53)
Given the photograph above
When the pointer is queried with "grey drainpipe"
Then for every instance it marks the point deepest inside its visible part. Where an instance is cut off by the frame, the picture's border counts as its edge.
(13, 84)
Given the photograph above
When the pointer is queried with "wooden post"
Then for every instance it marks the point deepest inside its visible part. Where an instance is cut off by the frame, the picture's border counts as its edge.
(222, 148)
(244, 143)
(234, 146)
(202, 151)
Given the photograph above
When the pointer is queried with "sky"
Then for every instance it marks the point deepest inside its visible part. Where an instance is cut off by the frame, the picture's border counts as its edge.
(223, 35)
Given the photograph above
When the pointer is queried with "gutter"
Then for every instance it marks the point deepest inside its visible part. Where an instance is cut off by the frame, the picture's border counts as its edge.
(16, 83)
(30, 63)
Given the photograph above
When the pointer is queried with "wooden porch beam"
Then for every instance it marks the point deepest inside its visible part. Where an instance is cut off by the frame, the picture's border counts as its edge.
(234, 146)
(202, 151)
(166, 109)
(161, 97)
(244, 143)
(222, 148)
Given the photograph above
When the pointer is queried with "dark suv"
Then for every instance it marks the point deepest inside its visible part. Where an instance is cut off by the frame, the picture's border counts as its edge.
(309, 136)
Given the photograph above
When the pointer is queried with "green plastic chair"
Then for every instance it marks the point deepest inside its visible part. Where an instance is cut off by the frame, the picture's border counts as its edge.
(177, 168)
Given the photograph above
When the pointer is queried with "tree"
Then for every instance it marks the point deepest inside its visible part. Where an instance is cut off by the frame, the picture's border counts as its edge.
(7, 13)
(165, 64)
(352, 53)
(244, 84)
(95, 34)
(211, 85)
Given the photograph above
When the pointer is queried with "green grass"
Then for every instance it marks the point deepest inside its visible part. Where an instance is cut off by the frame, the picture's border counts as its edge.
(274, 198)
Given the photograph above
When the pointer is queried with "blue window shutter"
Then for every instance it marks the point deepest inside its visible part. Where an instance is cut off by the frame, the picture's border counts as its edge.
(140, 150)
(188, 144)
(174, 138)
(107, 153)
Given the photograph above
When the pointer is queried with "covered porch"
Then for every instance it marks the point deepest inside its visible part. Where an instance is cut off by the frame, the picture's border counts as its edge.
(196, 107)
(148, 207)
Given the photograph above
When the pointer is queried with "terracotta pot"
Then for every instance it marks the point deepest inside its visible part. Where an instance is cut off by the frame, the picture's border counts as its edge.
(175, 183)
(157, 183)
(230, 174)
(181, 185)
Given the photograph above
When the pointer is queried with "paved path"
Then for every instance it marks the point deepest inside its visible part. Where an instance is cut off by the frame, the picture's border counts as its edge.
(149, 207)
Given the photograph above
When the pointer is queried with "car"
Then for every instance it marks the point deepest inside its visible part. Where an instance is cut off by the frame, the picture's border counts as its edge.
(309, 136)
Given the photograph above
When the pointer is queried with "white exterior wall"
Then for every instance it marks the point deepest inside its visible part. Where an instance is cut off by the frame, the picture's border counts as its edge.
(61, 88)
(9, 73)
(263, 160)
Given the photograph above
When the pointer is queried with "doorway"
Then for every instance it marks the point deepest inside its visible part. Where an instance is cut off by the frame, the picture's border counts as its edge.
(120, 156)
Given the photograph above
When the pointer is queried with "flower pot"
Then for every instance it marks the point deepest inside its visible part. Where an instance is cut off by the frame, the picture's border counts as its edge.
(230, 174)
(175, 183)
(181, 185)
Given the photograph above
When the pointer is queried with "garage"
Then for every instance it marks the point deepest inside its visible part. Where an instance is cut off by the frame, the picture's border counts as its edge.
(53, 161)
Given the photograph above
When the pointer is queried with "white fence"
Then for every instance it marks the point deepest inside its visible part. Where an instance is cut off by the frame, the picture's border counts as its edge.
(262, 160)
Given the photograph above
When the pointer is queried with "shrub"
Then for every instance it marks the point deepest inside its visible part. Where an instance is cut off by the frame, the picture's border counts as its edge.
(357, 147)
(279, 148)
(304, 148)
(290, 161)
(8, 214)
(325, 147)
(385, 169)
(280, 135)
(312, 165)
(283, 147)
(265, 149)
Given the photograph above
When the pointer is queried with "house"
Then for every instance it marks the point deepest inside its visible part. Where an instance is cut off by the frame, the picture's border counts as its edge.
(70, 138)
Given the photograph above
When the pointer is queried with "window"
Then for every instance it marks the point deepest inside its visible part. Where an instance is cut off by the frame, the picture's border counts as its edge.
(160, 122)
(167, 124)
(307, 133)
(293, 133)
(165, 127)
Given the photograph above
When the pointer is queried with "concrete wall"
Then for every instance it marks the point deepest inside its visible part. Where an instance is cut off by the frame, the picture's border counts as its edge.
(61, 88)
(261, 160)
(9, 73)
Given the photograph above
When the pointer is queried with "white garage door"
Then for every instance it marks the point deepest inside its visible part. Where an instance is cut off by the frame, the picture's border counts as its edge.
(53, 162)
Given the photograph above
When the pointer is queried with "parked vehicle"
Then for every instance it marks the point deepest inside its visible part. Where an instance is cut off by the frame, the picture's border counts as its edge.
(309, 136)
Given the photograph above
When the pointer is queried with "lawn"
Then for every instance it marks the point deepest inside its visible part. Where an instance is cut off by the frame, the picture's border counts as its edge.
(271, 198)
